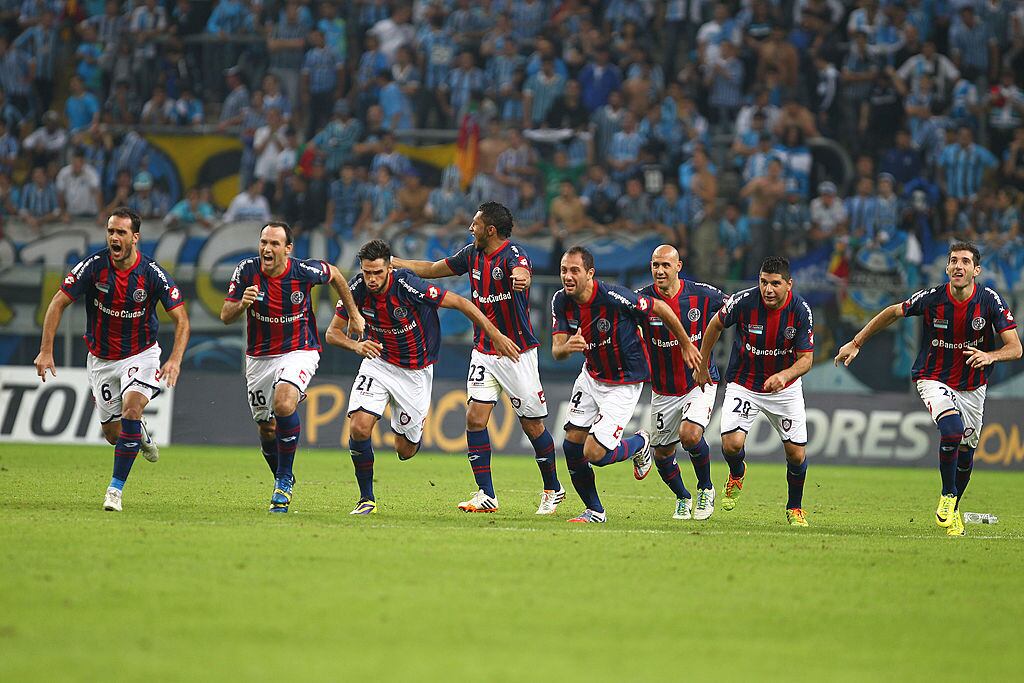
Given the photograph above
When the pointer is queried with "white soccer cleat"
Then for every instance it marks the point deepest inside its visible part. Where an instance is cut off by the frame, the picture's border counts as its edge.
(480, 502)
(684, 506)
(705, 504)
(642, 461)
(147, 446)
(549, 501)
(112, 501)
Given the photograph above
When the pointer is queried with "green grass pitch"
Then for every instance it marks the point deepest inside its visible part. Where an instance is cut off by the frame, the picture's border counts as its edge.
(196, 581)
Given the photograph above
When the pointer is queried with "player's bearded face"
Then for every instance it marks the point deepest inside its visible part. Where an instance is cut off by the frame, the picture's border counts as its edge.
(375, 274)
(121, 240)
(478, 229)
(961, 268)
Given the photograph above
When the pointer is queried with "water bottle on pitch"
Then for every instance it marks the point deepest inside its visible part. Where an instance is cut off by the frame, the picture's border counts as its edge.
(980, 518)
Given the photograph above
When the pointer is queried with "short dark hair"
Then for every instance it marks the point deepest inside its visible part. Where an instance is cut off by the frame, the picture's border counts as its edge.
(497, 215)
(584, 254)
(125, 212)
(373, 250)
(288, 234)
(777, 265)
(965, 246)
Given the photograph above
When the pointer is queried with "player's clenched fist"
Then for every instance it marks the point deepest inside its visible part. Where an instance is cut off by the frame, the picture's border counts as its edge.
(369, 349)
(576, 343)
(250, 294)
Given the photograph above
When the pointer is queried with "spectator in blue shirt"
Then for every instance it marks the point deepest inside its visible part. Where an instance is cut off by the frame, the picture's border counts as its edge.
(82, 109)
(963, 166)
(396, 106)
(598, 79)
(190, 211)
(39, 204)
(734, 241)
(321, 81)
(344, 204)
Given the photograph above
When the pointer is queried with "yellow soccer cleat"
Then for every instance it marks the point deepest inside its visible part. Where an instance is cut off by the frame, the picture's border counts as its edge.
(945, 511)
(733, 488)
(796, 517)
(957, 527)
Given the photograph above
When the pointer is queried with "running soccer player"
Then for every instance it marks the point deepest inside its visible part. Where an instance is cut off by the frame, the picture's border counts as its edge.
(500, 274)
(600, 321)
(960, 322)
(122, 288)
(772, 350)
(403, 338)
(680, 409)
(282, 351)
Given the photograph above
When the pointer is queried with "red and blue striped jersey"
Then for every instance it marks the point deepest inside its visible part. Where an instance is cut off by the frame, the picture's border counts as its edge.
(949, 326)
(608, 322)
(694, 304)
(283, 321)
(491, 278)
(402, 318)
(767, 340)
(121, 307)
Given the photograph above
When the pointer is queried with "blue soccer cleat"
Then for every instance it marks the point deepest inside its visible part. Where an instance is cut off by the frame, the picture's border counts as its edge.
(282, 495)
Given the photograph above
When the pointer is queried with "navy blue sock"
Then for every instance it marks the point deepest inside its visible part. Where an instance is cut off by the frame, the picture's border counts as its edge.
(544, 447)
(270, 454)
(670, 474)
(795, 475)
(480, 459)
(582, 475)
(125, 451)
(626, 449)
(362, 460)
(964, 467)
(736, 466)
(288, 429)
(951, 433)
(700, 458)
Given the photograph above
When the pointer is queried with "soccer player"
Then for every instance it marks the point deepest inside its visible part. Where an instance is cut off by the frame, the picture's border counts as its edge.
(403, 338)
(274, 292)
(601, 321)
(960, 322)
(773, 348)
(500, 274)
(680, 409)
(122, 288)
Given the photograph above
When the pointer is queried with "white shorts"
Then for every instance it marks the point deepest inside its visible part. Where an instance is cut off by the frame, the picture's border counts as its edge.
(262, 373)
(489, 375)
(669, 412)
(785, 410)
(940, 399)
(604, 408)
(380, 384)
(110, 379)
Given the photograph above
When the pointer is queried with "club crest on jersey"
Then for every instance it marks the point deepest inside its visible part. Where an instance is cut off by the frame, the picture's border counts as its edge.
(400, 313)
(297, 297)
(132, 371)
(497, 273)
(603, 325)
(786, 424)
(139, 295)
(755, 329)
(790, 332)
(404, 418)
(977, 324)
(516, 403)
(941, 323)
(693, 315)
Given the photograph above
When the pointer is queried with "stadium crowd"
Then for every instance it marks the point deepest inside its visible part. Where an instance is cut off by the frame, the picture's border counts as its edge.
(696, 120)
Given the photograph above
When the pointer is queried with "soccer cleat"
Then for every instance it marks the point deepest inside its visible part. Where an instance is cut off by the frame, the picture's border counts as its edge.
(589, 517)
(282, 497)
(733, 488)
(147, 446)
(705, 504)
(549, 501)
(944, 512)
(480, 502)
(683, 508)
(642, 461)
(796, 517)
(112, 501)
(957, 527)
(365, 506)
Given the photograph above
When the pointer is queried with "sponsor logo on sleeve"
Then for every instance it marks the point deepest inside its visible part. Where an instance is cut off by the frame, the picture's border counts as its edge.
(433, 292)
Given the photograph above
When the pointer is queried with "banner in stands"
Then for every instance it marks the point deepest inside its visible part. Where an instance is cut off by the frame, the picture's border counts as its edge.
(882, 429)
(62, 409)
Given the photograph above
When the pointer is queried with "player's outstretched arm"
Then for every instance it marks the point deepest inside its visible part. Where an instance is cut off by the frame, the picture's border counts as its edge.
(182, 329)
(502, 344)
(691, 355)
(887, 316)
(54, 312)
(426, 269)
(233, 310)
(356, 324)
(1010, 350)
(336, 336)
(707, 347)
